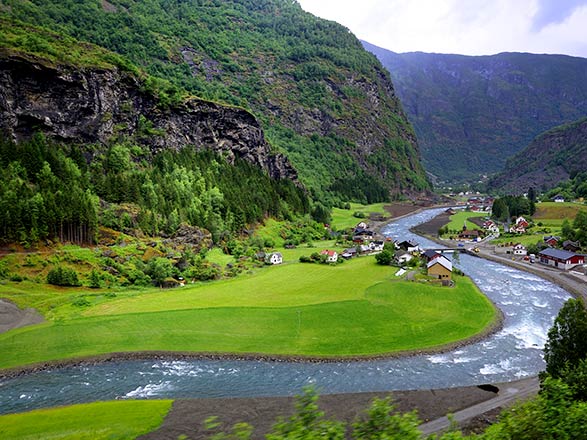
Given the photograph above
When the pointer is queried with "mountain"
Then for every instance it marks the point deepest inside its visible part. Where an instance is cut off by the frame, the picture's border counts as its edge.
(551, 158)
(88, 141)
(320, 97)
(473, 112)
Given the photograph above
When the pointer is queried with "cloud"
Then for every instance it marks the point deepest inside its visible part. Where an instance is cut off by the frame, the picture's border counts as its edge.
(468, 27)
(554, 11)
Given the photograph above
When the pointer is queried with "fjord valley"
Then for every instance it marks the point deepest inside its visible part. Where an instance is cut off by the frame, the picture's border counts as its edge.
(217, 199)
(471, 113)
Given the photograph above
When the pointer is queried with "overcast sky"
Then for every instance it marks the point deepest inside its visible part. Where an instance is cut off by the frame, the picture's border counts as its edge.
(469, 27)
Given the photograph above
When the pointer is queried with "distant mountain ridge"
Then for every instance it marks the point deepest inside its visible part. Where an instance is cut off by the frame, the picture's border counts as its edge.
(471, 113)
(551, 158)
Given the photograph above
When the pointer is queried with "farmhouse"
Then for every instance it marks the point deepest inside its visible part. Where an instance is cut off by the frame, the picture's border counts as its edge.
(402, 257)
(560, 259)
(349, 253)
(520, 249)
(274, 258)
(376, 246)
(409, 246)
(559, 198)
(331, 256)
(440, 268)
(571, 246)
(469, 235)
(430, 255)
(551, 240)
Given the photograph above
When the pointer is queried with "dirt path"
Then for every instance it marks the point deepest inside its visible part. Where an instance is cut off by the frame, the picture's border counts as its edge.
(511, 394)
(12, 317)
(187, 416)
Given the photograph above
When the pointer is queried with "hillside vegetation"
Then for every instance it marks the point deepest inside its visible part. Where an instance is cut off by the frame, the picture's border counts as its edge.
(321, 98)
(549, 160)
(473, 112)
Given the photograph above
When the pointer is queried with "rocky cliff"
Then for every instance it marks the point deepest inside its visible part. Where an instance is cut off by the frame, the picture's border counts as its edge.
(321, 98)
(96, 106)
(547, 161)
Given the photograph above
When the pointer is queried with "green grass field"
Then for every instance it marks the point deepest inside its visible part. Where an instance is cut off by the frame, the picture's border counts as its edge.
(358, 308)
(343, 218)
(457, 220)
(121, 420)
(547, 212)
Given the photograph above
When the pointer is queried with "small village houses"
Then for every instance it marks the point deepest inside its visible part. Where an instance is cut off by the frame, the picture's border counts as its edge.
(520, 249)
(440, 268)
(331, 256)
(402, 257)
(274, 258)
(560, 259)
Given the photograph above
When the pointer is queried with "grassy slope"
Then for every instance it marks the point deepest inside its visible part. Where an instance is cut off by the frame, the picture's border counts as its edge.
(297, 309)
(457, 220)
(95, 421)
(343, 218)
(551, 216)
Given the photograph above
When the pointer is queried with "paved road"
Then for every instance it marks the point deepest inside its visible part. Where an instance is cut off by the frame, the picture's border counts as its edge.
(506, 397)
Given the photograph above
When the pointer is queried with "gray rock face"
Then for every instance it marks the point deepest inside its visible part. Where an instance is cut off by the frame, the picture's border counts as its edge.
(98, 105)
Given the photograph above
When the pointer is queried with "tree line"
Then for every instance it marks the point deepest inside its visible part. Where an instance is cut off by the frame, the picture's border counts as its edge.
(52, 191)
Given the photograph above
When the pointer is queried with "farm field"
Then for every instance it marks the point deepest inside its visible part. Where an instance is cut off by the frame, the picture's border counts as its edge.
(357, 308)
(555, 213)
(458, 220)
(118, 420)
(344, 218)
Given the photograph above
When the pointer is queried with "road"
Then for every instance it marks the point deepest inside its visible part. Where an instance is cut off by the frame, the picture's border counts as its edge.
(506, 397)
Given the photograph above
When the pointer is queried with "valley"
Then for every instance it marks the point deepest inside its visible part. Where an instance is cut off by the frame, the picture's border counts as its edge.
(219, 205)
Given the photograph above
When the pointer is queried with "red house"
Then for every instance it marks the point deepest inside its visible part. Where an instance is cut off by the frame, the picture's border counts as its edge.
(560, 259)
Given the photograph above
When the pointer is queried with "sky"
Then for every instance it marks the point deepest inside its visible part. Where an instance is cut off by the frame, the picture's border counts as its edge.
(468, 27)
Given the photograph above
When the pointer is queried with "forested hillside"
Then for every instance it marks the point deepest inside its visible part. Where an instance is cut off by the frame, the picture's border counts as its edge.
(473, 112)
(322, 99)
(100, 143)
(551, 158)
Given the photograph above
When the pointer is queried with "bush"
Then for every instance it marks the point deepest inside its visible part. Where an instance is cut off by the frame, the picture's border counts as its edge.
(63, 276)
(305, 259)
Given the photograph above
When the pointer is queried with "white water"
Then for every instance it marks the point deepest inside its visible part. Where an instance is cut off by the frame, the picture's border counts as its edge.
(529, 305)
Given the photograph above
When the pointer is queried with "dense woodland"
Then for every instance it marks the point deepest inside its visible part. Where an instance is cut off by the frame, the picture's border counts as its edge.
(49, 191)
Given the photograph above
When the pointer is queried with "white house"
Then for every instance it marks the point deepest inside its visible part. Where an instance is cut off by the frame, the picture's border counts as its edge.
(274, 258)
(376, 246)
(331, 256)
(402, 257)
(520, 249)
(559, 199)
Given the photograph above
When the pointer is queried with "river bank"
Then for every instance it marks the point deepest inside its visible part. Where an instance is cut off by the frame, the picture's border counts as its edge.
(578, 288)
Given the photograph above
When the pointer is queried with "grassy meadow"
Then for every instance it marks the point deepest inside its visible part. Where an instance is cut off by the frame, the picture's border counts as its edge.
(120, 420)
(357, 308)
(458, 220)
(344, 218)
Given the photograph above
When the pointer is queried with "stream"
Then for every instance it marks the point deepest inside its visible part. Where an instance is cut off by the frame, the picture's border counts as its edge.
(529, 305)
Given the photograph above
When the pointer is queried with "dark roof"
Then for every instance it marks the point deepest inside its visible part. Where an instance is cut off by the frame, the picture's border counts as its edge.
(571, 243)
(430, 253)
(557, 253)
(548, 237)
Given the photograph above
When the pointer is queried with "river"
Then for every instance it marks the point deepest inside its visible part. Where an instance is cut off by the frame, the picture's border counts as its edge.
(529, 305)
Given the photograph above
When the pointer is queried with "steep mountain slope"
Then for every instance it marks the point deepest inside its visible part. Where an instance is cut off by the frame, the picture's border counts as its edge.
(321, 98)
(551, 158)
(472, 113)
(88, 140)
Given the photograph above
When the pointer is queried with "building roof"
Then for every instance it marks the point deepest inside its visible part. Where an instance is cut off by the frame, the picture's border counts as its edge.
(550, 237)
(329, 253)
(431, 254)
(443, 261)
(575, 244)
(557, 253)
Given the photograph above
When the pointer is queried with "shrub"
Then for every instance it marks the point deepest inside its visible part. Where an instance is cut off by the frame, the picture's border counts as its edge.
(63, 276)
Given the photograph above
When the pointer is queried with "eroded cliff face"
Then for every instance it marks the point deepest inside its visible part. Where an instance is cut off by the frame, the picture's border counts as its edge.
(97, 106)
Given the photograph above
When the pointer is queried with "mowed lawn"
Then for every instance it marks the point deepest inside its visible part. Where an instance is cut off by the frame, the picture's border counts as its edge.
(302, 309)
(95, 421)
